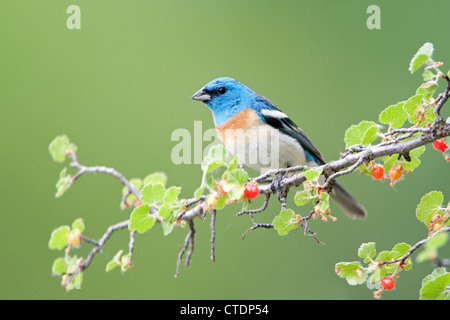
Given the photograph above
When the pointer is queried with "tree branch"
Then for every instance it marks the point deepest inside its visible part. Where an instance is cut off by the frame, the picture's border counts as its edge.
(414, 248)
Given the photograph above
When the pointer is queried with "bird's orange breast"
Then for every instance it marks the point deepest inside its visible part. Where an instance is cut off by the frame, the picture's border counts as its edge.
(238, 125)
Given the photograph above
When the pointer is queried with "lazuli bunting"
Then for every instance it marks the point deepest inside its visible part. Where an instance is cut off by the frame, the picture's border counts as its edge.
(263, 136)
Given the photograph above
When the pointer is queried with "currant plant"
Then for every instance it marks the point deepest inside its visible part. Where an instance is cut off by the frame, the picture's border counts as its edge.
(388, 149)
(419, 111)
(383, 269)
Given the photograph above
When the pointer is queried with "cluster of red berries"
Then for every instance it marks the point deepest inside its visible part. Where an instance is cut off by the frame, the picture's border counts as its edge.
(395, 173)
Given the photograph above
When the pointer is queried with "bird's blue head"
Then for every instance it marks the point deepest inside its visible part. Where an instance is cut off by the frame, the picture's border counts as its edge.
(225, 97)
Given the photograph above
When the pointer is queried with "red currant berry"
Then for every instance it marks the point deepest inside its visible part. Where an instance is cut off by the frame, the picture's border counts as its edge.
(377, 171)
(440, 145)
(251, 190)
(395, 173)
(387, 283)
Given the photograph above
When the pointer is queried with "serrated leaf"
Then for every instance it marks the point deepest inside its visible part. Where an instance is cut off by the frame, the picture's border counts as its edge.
(58, 148)
(155, 177)
(429, 205)
(59, 266)
(411, 106)
(312, 175)
(302, 197)
(115, 261)
(141, 220)
(171, 195)
(164, 211)
(363, 133)
(285, 221)
(389, 162)
(434, 286)
(153, 193)
(238, 176)
(422, 55)
(415, 162)
(324, 204)
(216, 157)
(63, 184)
(353, 272)
(428, 75)
(394, 115)
(79, 224)
(58, 238)
(367, 251)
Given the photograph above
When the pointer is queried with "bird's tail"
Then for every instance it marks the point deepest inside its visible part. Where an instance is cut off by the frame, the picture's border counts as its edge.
(349, 205)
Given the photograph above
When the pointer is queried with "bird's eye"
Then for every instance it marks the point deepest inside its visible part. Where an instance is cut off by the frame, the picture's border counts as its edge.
(222, 90)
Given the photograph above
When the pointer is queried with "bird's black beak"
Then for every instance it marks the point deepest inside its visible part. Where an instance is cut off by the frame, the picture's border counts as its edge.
(201, 95)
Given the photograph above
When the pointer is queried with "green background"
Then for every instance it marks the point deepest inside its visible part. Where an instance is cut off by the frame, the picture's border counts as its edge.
(122, 84)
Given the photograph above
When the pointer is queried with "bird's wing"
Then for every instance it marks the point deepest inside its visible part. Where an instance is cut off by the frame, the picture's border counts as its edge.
(274, 117)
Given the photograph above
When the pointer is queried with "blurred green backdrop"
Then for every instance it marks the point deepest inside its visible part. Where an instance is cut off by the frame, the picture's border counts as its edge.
(119, 87)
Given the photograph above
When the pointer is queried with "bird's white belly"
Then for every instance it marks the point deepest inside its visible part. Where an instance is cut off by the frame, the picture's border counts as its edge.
(264, 148)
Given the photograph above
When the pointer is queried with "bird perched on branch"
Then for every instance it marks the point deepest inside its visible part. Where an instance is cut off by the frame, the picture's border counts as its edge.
(262, 136)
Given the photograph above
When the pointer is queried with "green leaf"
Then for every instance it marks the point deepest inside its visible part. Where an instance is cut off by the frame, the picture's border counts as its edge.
(59, 266)
(367, 251)
(429, 205)
(238, 176)
(428, 75)
(362, 134)
(302, 197)
(430, 249)
(389, 162)
(156, 177)
(114, 262)
(141, 220)
(199, 191)
(233, 164)
(324, 204)
(394, 115)
(58, 148)
(236, 193)
(58, 238)
(79, 224)
(434, 286)
(171, 195)
(76, 282)
(312, 175)
(63, 184)
(353, 272)
(422, 55)
(415, 162)
(167, 227)
(164, 211)
(411, 106)
(153, 193)
(285, 222)
(216, 157)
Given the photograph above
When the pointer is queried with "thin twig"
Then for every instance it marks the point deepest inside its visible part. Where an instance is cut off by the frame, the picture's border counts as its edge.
(213, 235)
(264, 206)
(414, 248)
(86, 262)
